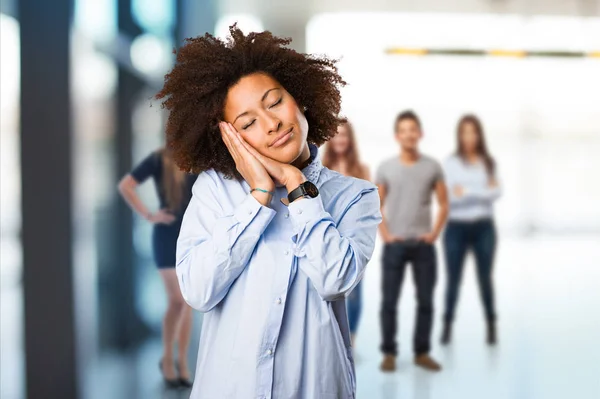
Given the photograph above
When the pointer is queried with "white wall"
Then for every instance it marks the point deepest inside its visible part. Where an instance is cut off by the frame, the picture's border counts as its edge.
(307, 8)
(541, 116)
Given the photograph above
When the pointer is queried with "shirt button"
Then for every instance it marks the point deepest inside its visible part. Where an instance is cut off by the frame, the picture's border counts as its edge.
(278, 301)
(287, 215)
(299, 211)
(249, 211)
(269, 352)
(286, 252)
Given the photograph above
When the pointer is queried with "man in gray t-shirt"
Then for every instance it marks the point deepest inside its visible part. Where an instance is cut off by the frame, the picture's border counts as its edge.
(408, 195)
(406, 185)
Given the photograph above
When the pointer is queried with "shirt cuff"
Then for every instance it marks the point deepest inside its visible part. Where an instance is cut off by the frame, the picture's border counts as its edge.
(305, 210)
(250, 209)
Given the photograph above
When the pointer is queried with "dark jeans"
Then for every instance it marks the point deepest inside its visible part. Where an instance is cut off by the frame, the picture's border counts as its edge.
(480, 236)
(395, 257)
(354, 305)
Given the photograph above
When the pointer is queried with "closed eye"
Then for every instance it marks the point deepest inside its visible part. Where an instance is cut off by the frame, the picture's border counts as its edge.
(248, 125)
(276, 103)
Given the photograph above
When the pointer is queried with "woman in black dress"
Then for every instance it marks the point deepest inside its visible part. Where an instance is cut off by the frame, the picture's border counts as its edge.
(173, 188)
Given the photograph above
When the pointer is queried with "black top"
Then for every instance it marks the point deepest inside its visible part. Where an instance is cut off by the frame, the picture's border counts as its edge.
(152, 166)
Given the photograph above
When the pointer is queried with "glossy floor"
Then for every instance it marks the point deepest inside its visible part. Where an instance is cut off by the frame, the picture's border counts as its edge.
(549, 328)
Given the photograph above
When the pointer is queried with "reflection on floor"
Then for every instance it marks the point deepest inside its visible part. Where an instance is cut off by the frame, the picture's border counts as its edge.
(549, 325)
(133, 376)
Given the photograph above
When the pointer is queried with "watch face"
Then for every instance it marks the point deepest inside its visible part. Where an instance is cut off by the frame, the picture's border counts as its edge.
(311, 189)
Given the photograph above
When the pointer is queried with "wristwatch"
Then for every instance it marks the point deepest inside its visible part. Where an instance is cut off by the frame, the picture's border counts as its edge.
(306, 189)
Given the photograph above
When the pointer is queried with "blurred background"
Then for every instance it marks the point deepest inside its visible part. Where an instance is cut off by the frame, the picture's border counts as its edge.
(81, 301)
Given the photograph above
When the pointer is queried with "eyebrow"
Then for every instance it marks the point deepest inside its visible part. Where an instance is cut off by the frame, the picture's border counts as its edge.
(262, 99)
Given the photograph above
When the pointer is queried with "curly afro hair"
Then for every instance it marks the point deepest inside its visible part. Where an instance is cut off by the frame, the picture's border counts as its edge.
(206, 67)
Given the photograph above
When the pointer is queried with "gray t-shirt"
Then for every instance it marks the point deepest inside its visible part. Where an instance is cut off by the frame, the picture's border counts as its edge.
(407, 205)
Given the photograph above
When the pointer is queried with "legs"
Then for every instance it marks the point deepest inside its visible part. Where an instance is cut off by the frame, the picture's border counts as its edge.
(394, 263)
(425, 274)
(455, 248)
(177, 325)
(183, 340)
(484, 246)
(354, 304)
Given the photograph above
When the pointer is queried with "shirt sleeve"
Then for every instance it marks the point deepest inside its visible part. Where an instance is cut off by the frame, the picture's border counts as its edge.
(214, 247)
(336, 254)
(487, 193)
(147, 168)
(471, 195)
(380, 178)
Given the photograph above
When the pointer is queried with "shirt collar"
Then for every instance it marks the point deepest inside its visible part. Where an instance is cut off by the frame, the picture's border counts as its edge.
(313, 170)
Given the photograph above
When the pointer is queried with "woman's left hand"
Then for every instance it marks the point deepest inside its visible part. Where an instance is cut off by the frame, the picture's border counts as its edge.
(282, 173)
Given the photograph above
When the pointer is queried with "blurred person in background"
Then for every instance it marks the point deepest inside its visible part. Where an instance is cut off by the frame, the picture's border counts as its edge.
(406, 184)
(341, 154)
(473, 184)
(173, 188)
(271, 241)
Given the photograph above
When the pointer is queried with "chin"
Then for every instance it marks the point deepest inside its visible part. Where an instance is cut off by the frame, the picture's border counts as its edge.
(287, 153)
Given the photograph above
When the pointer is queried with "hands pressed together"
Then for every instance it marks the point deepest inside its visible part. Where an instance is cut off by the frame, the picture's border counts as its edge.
(256, 169)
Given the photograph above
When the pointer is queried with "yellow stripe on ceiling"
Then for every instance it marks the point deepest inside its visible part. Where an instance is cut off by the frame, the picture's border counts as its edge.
(407, 51)
(507, 53)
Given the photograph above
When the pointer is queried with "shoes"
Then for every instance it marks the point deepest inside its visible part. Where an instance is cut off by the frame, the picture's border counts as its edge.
(170, 383)
(446, 334)
(427, 362)
(388, 364)
(183, 381)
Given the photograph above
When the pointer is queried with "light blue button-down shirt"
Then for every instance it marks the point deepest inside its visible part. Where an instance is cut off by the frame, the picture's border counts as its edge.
(272, 281)
(477, 201)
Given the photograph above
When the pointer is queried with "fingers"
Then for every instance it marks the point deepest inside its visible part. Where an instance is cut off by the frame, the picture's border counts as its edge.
(225, 135)
(248, 147)
(235, 136)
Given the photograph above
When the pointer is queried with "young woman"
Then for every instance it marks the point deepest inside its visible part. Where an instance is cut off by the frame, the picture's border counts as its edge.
(341, 155)
(472, 180)
(271, 241)
(173, 188)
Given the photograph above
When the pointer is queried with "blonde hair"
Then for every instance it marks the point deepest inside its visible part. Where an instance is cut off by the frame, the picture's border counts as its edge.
(331, 159)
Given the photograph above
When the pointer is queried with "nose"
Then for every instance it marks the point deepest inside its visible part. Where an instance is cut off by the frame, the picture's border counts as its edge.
(273, 123)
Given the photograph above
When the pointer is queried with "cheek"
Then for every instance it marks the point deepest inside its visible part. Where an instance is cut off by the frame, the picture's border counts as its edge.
(252, 140)
(302, 122)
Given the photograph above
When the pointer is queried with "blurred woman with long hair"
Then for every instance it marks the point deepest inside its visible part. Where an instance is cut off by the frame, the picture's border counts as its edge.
(173, 188)
(472, 179)
(341, 154)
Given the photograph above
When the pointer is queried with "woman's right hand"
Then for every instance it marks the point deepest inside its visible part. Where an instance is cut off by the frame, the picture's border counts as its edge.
(249, 167)
(162, 217)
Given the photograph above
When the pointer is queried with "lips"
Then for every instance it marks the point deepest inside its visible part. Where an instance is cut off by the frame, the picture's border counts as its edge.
(282, 138)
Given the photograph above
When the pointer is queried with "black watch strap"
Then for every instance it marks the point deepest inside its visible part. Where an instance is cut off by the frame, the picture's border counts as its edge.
(306, 189)
(296, 193)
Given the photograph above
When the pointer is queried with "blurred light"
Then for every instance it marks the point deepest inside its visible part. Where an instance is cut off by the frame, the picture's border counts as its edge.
(96, 18)
(246, 22)
(151, 55)
(10, 71)
(157, 16)
(94, 74)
